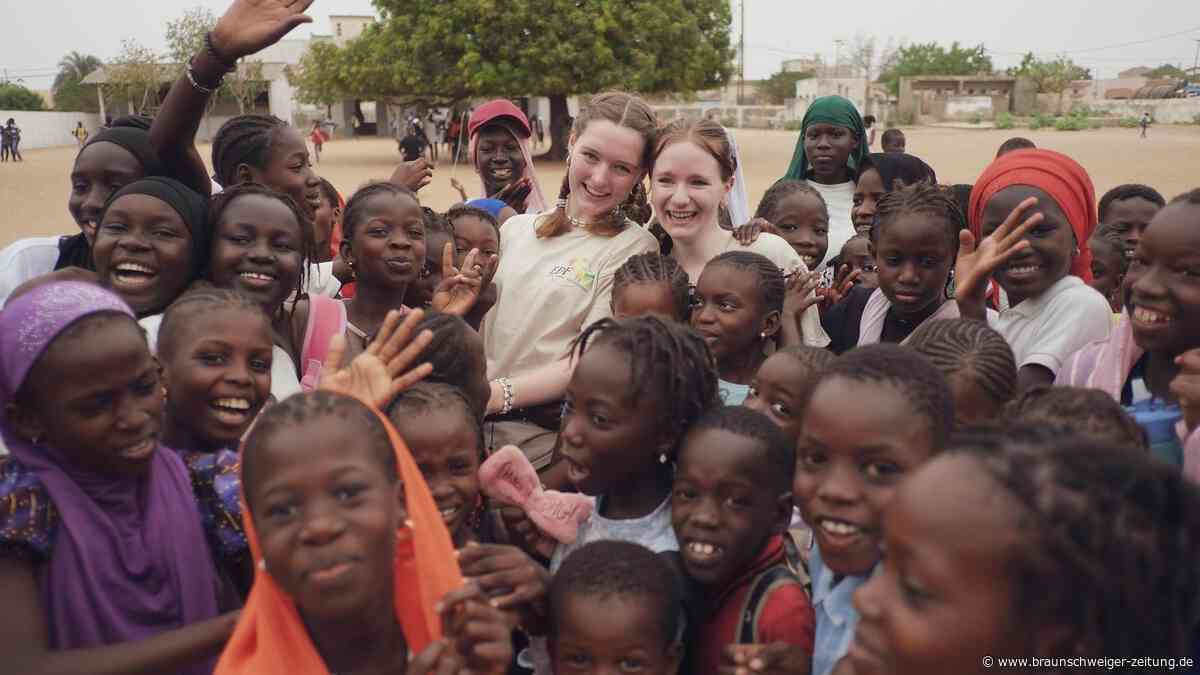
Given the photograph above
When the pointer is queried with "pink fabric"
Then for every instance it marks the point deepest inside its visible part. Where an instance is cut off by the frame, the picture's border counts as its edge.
(508, 477)
(326, 318)
(870, 327)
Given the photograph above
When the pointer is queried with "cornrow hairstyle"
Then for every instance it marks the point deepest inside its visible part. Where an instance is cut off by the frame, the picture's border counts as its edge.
(1084, 412)
(782, 190)
(651, 268)
(970, 349)
(449, 352)
(201, 298)
(245, 139)
(813, 358)
(1015, 143)
(462, 210)
(856, 238)
(1104, 529)
(302, 408)
(619, 569)
(623, 110)
(669, 364)
(357, 205)
(770, 278)
(924, 199)
(961, 194)
(1106, 238)
(426, 396)
(436, 222)
(904, 370)
(1128, 191)
(779, 451)
(308, 241)
(1189, 197)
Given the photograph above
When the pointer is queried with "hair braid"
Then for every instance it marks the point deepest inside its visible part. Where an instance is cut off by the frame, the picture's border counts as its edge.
(782, 190)
(970, 349)
(924, 199)
(201, 297)
(770, 278)
(649, 268)
(245, 139)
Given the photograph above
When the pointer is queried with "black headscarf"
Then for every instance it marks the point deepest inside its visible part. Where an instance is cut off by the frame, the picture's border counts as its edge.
(132, 133)
(191, 206)
(893, 166)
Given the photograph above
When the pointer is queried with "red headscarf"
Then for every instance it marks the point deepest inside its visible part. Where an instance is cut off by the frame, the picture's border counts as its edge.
(270, 638)
(1059, 176)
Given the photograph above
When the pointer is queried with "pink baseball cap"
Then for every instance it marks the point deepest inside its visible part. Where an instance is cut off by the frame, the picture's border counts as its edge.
(493, 110)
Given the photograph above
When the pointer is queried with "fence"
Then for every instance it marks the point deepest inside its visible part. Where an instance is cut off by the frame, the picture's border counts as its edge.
(741, 116)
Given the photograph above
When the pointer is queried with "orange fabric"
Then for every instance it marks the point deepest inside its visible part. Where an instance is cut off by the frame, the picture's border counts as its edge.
(270, 638)
(1054, 173)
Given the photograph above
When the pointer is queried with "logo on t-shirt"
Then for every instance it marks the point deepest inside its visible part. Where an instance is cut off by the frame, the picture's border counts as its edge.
(577, 271)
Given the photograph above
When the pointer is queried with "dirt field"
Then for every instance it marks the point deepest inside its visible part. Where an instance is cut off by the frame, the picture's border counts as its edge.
(33, 194)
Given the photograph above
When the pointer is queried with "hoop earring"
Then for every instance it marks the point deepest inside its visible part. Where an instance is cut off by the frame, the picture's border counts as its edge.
(662, 458)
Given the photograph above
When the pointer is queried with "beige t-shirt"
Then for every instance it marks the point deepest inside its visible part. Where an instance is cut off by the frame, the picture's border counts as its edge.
(549, 290)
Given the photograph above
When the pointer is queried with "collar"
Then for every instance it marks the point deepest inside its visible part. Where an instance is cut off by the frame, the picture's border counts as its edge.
(771, 554)
(1033, 306)
(833, 599)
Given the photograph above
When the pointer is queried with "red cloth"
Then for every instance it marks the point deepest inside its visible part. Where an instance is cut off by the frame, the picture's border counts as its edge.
(495, 109)
(1054, 173)
(785, 615)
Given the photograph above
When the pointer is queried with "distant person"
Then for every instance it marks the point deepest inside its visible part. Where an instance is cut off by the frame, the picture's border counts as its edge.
(80, 134)
(1015, 143)
(453, 132)
(1144, 124)
(413, 145)
(869, 125)
(539, 130)
(893, 140)
(317, 136)
(429, 130)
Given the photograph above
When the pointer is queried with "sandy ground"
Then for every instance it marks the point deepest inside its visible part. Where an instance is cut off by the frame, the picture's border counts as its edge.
(33, 194)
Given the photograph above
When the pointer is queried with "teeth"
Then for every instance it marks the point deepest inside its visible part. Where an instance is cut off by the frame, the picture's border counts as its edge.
(257, 276)
(239, 404)
(839, 528)
(681, 215)
(809, 260)
(1024, 269)
(1145, 315)
(135, 268)
(448, 514)
(703, 550)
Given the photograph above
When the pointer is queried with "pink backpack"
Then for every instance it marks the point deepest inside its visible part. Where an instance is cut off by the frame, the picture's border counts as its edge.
(326, 318)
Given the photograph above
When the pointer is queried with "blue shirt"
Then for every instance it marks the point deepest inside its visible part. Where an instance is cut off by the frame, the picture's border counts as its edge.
(732, 394)
(836, 616)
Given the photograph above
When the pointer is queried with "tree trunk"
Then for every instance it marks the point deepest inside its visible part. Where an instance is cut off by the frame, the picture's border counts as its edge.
(560, 129)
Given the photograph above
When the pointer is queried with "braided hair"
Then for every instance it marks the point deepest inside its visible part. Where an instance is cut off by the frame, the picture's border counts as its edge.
(245, 139)
(450, 353)
(1128, 191)
(1083, 412)
(668, 363)
(969, 349)
(462, 210)
(619, 569)
(815, 359)
(652, 268)
(904, 370)
(427, 396)
(356, 207)
(770, 280)
(782, 190)
(308, 406)
(308, 241)
(924, 199)
(202, 297)
(1106, 532)
(778, 448)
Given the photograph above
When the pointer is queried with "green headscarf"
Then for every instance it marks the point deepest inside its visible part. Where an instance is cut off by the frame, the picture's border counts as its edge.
(829, 110)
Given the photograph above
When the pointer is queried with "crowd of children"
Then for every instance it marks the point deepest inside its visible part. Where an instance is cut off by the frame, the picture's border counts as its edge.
(886, 427)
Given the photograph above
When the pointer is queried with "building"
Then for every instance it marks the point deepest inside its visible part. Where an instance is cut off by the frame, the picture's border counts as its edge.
(868, 97)
(949, 97)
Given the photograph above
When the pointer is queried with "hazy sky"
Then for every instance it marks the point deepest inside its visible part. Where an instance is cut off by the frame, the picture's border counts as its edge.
(1107, 36)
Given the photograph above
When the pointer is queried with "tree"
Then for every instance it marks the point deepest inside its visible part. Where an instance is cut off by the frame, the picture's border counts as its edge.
(1167, 71)
(69, 91)
(15, 96)
(434, 51)
(185, 37)
(135, 74)
(934, 59)
(782, 85)
(316, 78)
(870, 58)
(1050, 77)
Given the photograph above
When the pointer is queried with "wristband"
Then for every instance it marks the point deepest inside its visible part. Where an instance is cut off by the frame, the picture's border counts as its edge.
(207, 91)
(507, 391)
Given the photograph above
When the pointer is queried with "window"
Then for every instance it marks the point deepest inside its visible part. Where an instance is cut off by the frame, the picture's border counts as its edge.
(339, 29)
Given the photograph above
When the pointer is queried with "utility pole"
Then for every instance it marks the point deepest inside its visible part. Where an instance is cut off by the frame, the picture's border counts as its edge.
(741, 95)
(1196, 62)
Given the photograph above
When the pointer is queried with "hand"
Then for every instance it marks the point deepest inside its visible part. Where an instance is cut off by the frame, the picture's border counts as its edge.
(509, 577)
(378, 374)
(843, 283)
(1186, 387)
(531, 539)
(801, 293)
(413, 175)
(454, 183)
(975, 264)
(249, 26)
(458, 291)
(748, 233)
(478, 633)
(778, 658)
(515, 193)
(438, 658)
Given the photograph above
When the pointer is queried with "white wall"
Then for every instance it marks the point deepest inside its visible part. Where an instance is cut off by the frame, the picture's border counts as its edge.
(1163, 110)
(49, 129)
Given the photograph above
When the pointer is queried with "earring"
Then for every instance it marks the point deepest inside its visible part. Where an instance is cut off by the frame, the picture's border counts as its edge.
(662, 458)
(262, 565)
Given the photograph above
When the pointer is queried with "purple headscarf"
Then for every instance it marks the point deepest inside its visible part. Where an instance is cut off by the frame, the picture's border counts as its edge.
(129, 557)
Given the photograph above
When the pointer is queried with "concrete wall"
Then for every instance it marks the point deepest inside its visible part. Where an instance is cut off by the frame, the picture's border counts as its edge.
(747, 116)
(49, 129)
(1163, 110)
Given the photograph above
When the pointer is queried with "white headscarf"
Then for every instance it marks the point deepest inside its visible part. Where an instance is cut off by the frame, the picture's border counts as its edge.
(739, 206)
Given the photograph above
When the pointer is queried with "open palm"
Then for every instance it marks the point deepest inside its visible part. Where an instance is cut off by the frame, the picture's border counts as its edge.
(381, 372)
(249, 26)
(975, 264)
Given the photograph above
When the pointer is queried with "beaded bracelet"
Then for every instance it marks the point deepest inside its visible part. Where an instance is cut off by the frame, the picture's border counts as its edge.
(507, 390)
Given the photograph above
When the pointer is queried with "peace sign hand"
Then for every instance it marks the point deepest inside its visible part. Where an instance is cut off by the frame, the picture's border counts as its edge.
(249, 26)
(458, 291)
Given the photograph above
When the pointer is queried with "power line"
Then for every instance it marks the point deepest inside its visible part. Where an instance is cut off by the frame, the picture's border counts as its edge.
(1193, 29)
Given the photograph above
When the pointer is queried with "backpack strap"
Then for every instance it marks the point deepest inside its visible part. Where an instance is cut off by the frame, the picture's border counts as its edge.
(326, 318)
(772, 577)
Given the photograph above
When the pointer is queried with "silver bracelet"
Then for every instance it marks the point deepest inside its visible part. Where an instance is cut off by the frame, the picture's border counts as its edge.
(507, 390)
(207, 91)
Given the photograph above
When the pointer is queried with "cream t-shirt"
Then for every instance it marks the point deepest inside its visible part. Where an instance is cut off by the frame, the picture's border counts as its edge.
(839, 199)
(549, 290)
(1048, 329)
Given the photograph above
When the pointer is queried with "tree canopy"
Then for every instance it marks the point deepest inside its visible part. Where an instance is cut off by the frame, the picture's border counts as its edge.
(69, 92)
(782, 85)
(185, 37)
(1167, 70)
(933, 59)
(14, 96)
(1050, 77)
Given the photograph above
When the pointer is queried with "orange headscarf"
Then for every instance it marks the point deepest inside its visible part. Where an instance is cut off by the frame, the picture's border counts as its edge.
(270, 638)
(1059, 176)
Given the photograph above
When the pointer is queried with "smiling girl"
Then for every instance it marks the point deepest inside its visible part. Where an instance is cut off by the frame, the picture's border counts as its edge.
(500, 153)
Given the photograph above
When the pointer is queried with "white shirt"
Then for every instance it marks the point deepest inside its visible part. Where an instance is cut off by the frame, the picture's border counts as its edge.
(839, 199)
(26, 259)
(321, 280)
(1048, 329)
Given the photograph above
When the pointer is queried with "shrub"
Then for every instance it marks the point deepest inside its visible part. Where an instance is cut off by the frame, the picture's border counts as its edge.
(1040, 121)
(1005, 121)
(976, 119)
(1130, 122)
(1071, 123)
(793, 125)
(729, 122)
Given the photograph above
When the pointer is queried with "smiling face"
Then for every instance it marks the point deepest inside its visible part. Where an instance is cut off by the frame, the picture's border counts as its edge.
(867, 193)
(257, 250)
(388, 246)
(1128, 218)
(218, 377)
(776, 391)
(143, 252)
(608, 435)
(943, 600)
(857, 254)
(326, 521)
(686, 189)
(730, 313)
(1107, 259)
(1162, 287)
(1051, 243)
(912, 263)
(108, 421)
(100, 170)
(288, 170)
(446, 449)
(828, 148)
(604, 165)
(721, 510)
(847, 466)
(802, 221)
(420, 294)
(599, 634)
(498, 158)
